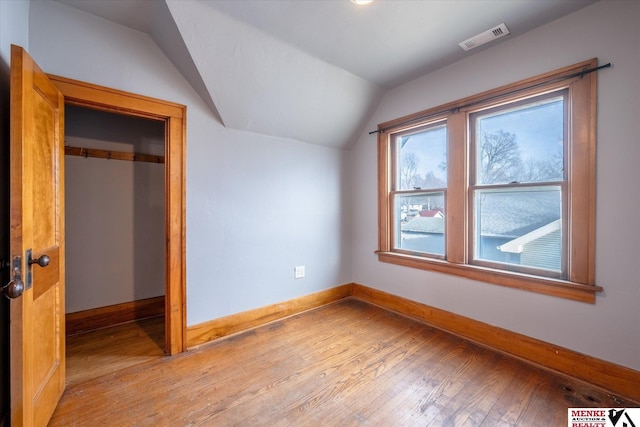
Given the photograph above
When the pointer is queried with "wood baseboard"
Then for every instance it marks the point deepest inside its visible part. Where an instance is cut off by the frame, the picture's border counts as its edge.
(97, 318)
(617, 379)
(217, 328)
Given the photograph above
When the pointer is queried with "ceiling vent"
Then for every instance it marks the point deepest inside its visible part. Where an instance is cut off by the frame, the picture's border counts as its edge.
(485, 37)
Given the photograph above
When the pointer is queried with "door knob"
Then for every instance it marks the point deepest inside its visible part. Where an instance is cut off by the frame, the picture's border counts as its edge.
(14, 289)
(43, 261)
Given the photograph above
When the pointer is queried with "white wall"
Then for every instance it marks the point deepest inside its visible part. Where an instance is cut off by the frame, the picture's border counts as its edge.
(610, 329)
(14, 24)
(14, 29)
(256, 206)
(114, 212)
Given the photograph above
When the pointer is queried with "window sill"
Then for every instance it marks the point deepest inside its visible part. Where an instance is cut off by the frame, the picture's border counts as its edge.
(542, 285)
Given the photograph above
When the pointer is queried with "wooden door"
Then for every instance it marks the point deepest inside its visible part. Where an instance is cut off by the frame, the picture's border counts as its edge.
(37, 355)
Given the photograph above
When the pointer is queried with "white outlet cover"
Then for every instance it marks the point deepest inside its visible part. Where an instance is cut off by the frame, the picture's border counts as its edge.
(298, 272)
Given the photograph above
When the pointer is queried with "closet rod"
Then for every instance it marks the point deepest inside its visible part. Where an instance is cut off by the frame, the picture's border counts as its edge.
(112, 155)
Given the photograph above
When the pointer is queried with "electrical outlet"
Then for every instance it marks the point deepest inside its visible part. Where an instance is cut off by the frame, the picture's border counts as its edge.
(298, 272)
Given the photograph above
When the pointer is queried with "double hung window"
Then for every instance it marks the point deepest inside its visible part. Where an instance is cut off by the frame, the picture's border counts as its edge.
(420, 193)
(498, 187)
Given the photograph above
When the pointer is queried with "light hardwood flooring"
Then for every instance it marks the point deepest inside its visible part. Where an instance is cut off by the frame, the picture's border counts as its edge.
(106, 351)
(344, 364)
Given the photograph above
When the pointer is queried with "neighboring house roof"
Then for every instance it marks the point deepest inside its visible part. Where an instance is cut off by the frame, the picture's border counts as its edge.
(437, 213)
(421, 224)
(516, 214)
(518, 244)
(508, 215)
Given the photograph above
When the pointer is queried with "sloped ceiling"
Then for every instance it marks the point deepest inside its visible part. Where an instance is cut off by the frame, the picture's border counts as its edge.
(314, 71)
(264, 85)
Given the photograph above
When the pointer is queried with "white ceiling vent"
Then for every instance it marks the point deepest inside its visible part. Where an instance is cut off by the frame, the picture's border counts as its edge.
(485, 37)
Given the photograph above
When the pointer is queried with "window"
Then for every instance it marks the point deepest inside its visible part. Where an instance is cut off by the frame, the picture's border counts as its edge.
(498, 187)
(518, 185)
(419, 196)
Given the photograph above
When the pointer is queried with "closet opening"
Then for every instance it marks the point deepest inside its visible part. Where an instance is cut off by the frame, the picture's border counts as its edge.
(115, 240)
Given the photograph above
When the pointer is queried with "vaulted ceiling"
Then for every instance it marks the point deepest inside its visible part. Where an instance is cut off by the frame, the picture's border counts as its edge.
(314, 71)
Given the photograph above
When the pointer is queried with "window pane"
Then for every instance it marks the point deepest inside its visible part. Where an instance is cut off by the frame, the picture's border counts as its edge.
(422, 159)
(419, 222)
(521, 144)
(519, 227)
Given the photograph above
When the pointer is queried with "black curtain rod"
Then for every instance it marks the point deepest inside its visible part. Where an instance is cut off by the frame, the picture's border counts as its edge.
(559, 79)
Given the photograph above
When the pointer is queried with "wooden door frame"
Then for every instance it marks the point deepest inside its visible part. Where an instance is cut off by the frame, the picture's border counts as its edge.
(174, 115)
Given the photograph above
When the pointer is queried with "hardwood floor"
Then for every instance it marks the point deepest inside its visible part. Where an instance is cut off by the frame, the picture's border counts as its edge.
(345, 364)
(108, 350)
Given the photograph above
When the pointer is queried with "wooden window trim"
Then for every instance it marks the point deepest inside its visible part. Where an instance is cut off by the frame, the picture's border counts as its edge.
(580, 282)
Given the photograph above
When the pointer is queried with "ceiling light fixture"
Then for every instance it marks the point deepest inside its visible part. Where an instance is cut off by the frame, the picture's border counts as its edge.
(361, 2)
